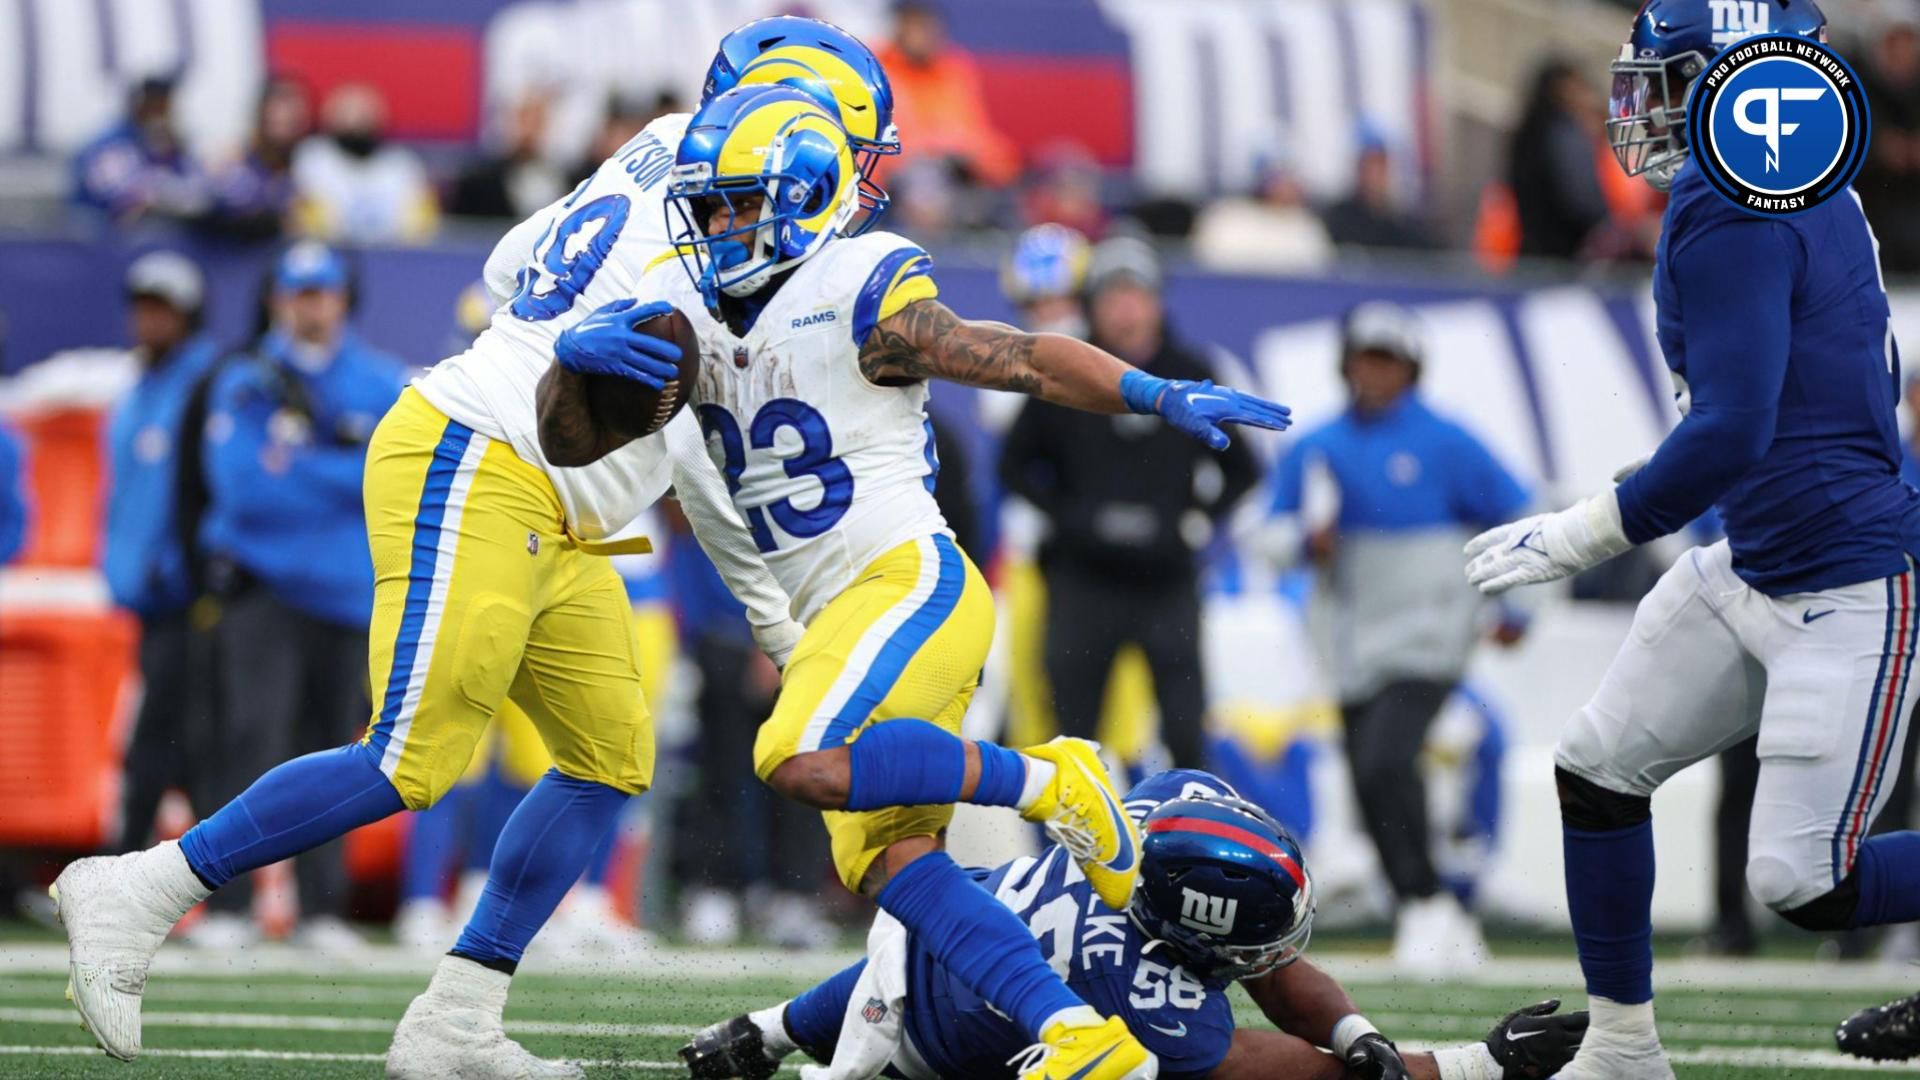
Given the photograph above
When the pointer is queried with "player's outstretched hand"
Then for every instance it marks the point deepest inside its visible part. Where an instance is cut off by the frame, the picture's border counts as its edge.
(1372, 1057)
(1533, 1043)
(1200, 408)
(609, 342)
(1546, 547)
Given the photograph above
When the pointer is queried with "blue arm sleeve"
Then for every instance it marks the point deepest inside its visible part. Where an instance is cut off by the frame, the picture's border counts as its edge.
(1289, 476)
(1735, 287)
(1484, 492)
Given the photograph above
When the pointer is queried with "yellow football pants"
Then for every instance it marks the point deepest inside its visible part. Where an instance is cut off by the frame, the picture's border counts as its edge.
(480, 596)
(907, 640)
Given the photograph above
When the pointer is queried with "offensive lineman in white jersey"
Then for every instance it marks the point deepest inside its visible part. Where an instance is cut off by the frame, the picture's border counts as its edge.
(815, 356)
(489, 585)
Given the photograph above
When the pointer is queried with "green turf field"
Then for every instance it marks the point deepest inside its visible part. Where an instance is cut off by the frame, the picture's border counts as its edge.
(280, 1013)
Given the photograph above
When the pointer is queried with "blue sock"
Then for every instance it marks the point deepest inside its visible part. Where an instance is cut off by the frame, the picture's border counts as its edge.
(919, 763)
(1889, 876)
(1003, 775)
(494, 802)
(298, 805)
(431, 845)
(542, 850)
(813, 1019)
(905, 763)
(1610, 895)
(978, 939)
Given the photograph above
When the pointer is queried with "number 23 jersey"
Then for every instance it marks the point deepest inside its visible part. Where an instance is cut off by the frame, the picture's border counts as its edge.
(829, 469)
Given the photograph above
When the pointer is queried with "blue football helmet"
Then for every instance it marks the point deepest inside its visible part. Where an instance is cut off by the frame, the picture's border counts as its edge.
(773, 142)
(1225, 886)
(832, 65)
(1672, 42)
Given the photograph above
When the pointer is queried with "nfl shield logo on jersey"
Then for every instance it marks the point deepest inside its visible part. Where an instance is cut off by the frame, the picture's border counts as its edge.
(740, 357)
(874, 1011)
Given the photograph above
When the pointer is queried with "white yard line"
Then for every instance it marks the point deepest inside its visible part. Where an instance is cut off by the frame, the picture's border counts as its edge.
(300, 1055)
(1551, 975)
(1424, 1023)
(287, 1022)
(1753, 1057)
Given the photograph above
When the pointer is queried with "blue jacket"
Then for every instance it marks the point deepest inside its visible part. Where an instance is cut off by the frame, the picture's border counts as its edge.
(1407, 468)
(145, 567)
(13, 499)
(285, 500)
(1779, 327)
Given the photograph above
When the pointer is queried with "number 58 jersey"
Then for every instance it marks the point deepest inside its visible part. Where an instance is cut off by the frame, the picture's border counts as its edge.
(829, 469)
(555, 268)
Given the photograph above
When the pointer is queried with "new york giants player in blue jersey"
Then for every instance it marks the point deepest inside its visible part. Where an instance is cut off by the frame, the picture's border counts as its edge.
(1801, 625)
(1209, 860)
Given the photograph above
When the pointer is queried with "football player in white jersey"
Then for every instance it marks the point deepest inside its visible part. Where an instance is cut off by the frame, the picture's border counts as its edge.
(816, 351)
(491, 585)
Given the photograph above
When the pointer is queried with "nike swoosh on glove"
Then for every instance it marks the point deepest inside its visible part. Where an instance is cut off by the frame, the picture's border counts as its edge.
(1532, 1043)
(1547, 547)
(1199, 408)
(1372, 1057)
(610, 342)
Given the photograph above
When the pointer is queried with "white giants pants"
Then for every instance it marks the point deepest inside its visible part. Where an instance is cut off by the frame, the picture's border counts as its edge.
(1824, 677)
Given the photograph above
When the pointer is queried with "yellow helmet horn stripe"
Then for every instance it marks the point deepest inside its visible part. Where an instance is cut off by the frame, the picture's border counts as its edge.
(748, 151)
(858, 112)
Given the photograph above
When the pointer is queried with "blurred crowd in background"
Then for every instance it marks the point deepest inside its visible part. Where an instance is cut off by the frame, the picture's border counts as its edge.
(326, 167)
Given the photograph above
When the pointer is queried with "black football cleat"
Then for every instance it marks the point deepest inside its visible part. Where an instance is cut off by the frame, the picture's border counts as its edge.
(1889, 1032)
(732, 1048)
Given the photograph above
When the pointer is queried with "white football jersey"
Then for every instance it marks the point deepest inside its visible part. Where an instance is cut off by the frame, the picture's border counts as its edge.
(829, 470)
(549, 272)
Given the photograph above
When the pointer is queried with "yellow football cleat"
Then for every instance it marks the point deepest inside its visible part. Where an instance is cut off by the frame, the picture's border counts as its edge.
(1083, 814)
(1104, 1051)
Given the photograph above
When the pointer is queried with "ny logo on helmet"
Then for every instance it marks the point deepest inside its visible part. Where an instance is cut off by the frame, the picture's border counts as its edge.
(1208, 914)
(1734, 20)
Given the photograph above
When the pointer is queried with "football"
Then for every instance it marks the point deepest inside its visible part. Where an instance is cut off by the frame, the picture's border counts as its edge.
(631, 409)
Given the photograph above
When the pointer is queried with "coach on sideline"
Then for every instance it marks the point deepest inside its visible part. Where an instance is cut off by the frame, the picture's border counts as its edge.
(286, 443)
(146, 554)
(1130, 505)
(1382, 499)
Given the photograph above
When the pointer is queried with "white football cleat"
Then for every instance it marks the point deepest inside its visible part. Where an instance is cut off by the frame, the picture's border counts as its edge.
(454, 1031)
(1620, 1043)
(117, 911)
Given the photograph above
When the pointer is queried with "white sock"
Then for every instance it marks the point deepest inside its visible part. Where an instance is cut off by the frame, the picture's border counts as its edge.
(1467, 1063)
(177, 887)
(1039, 776)
(1078, 1016)
(1630, 1022)
(772, 1023)
(470, 984)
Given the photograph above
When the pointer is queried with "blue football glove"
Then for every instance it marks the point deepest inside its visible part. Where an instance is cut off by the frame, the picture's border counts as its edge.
(1199, 408)
(608, 342)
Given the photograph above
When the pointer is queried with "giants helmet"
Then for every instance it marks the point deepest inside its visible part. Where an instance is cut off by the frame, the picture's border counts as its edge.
(1225, 886)
(1672, 42)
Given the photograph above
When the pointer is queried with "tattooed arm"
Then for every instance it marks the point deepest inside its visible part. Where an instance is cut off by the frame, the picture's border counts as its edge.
(926, 340)
(570, 433)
